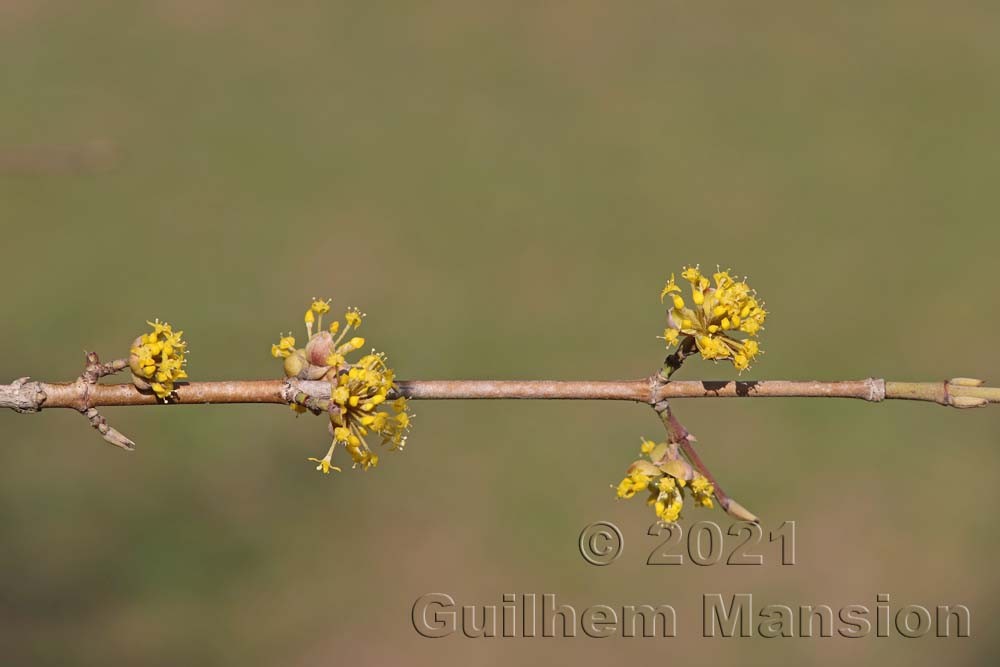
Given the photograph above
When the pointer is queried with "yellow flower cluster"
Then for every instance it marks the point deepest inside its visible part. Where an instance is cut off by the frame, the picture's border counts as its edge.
(720, 308)
(359, 391)
(354, 413)
(157, 359)
(667, 477)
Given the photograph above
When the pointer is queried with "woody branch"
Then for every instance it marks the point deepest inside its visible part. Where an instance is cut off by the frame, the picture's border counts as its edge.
(24, 395)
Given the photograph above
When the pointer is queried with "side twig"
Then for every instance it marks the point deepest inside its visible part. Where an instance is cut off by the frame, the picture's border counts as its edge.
(678, 434)
(93, 371)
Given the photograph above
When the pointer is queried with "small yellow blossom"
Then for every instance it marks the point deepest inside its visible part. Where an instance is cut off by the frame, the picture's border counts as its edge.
(359, 408)
(702, 490)
(284, 347)
(671, 286)
(157, 359)
(353, 317)
(324, 464)
(719, 311)
(632, 484)
(668, 478)
(668, 506)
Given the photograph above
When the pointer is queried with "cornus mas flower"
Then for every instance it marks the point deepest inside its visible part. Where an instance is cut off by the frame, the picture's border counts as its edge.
(719, 309)
(157, 359)
(358, 408)
(667, 478)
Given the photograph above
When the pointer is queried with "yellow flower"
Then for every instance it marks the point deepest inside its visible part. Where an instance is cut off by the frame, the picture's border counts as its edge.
(284, 347)
(359, 393)
(671, 286)
(668, 478)
(157, 359)
(668, 506)
(324, 464)
(633, 483)
(362, 457)
(353, 317)
(719, 311)
(702, 490)
(359, 408)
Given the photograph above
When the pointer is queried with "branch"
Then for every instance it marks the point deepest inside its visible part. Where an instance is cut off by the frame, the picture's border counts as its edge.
(677, 433)
(25, 396)
(85, 394)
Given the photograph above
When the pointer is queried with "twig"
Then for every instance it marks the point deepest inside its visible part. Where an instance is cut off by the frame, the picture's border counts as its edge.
(87, 382)
(110, 434)
(85, 394)
(95, 370)
(677, 433)
(25, 396)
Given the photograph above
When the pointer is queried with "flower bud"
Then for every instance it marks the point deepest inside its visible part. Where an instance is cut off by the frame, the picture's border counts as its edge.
(295, 363)
(134, 363)
(968, 402)
(737, 511)
(319, 348)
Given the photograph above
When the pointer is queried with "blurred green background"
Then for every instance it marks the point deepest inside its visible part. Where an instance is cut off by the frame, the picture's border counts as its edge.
(503, 187)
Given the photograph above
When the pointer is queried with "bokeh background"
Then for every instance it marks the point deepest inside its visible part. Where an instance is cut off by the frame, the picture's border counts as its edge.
(503, 187)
